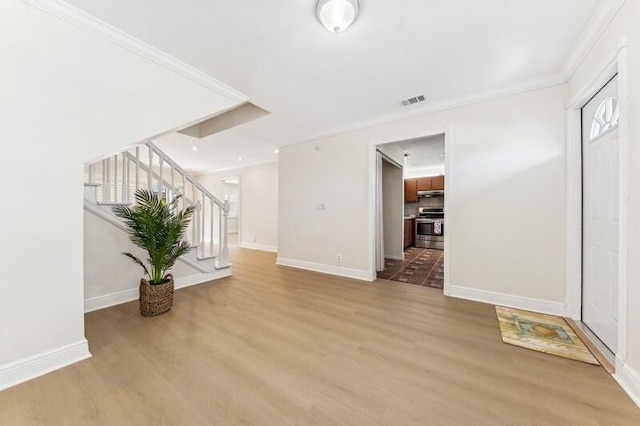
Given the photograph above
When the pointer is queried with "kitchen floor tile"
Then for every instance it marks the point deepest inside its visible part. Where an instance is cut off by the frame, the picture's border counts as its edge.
(421, 267)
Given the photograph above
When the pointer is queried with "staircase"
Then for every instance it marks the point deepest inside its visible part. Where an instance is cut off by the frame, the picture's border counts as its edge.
(114, 181)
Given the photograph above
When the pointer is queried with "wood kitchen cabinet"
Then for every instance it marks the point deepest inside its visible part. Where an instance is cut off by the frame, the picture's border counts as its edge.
(410, 191)
(412, 186)
(437, 183)
(409, 232)
(424, 184)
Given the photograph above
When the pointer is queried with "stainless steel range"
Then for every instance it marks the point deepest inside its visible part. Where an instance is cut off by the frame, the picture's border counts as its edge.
(430, 227)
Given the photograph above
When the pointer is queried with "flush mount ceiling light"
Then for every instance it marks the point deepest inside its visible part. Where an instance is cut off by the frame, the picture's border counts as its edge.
(337, 15)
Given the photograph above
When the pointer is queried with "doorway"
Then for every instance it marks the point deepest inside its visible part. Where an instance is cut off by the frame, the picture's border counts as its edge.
(609, 125)
(231, 193)
(390, 213)
(600, 215)
(420, 195)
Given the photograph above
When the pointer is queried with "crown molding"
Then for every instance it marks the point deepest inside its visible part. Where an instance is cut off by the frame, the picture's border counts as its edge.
(599, 21)
(95, 26)
(430, 108)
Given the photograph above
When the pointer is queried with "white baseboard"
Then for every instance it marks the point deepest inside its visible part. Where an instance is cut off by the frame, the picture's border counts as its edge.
(327, 269)
(263, 247)
(508, 300)
(31, 367)
(112, 299)
(629, 380)
(201, 278)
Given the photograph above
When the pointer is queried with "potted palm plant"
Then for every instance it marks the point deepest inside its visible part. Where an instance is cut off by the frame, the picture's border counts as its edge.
(156, 226)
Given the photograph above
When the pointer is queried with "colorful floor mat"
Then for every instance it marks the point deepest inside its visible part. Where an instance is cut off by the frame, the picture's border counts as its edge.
(542, 333)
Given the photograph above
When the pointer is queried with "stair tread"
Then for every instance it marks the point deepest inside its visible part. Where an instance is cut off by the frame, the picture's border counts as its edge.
(206, 257)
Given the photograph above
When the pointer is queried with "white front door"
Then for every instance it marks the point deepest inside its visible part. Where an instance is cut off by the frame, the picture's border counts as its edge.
(600, 214)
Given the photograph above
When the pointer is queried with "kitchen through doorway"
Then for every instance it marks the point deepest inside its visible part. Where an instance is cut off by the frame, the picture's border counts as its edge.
(421, 198)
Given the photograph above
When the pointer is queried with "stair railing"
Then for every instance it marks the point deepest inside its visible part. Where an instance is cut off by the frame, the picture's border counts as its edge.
(146, 166)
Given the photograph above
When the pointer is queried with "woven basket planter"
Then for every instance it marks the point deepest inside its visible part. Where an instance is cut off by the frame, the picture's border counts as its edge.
(156, 299)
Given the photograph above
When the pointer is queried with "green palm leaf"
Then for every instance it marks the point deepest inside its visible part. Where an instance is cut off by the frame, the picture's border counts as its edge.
(157, 227)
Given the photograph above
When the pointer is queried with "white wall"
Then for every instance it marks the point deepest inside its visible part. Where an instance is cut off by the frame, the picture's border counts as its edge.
(624, 24)
(393, 151)
(67, 96)
(258, 203)
(506, 189)
(335, 175)
(393, 210)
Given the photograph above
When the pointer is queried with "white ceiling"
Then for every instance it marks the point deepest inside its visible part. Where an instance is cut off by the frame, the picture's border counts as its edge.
(314, 82)
(427, 153)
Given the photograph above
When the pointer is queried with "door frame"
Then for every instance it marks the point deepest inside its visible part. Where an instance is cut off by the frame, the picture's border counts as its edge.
(615, 63)
(373, 145)
(239, 207)
(400, 224)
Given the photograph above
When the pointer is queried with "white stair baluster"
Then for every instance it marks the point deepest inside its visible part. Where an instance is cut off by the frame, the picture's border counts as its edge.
(220, 241)
(202, 218)
(125, 178)
(224, 246)
(160, 178)
(211, 223)
(173, 184)
(150, 171)
(104, 179)
(195, 214)
(184, 192)
(107, 189)
(137, 168)
(115, 179)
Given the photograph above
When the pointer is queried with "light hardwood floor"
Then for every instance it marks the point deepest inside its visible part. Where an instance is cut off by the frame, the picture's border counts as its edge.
(278, 346)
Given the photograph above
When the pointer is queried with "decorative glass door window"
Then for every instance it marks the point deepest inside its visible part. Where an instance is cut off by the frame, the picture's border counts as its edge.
(605, 119)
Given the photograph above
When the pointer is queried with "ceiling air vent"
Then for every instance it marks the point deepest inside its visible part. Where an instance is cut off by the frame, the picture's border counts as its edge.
(414, 100)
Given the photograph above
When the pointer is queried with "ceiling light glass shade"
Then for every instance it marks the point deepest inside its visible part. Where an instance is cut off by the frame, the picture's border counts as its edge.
(337, 15)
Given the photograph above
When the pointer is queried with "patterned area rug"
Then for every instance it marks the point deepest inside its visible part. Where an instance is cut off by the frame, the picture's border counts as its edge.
(420, 266)
(542, 333)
